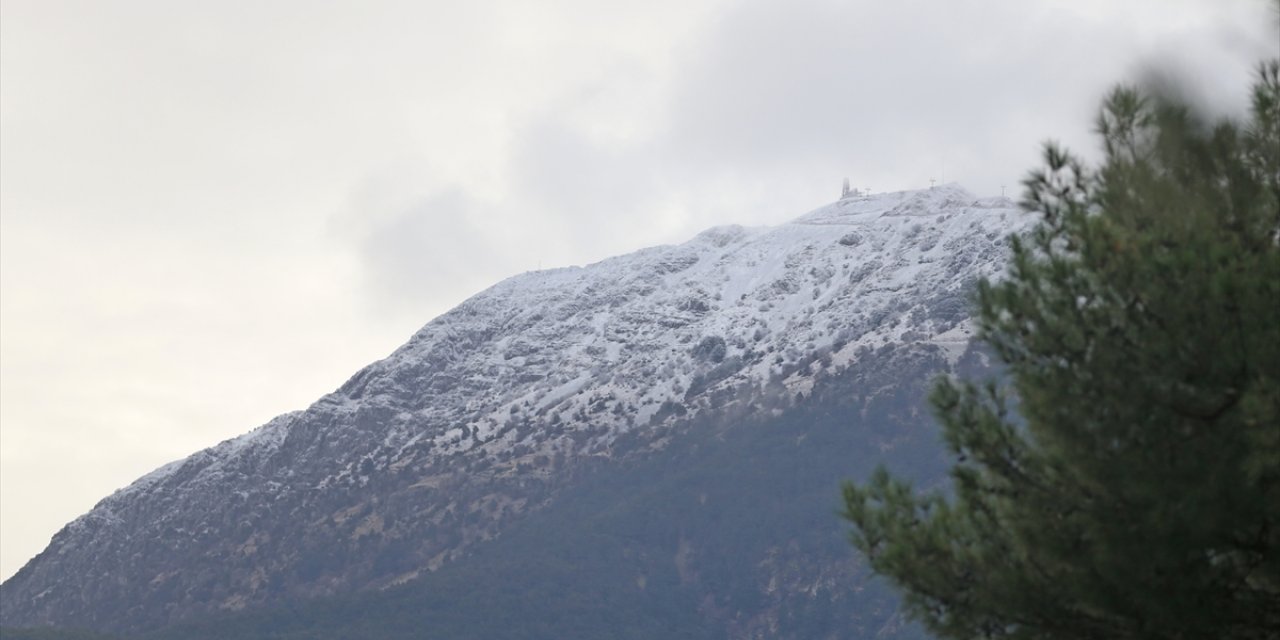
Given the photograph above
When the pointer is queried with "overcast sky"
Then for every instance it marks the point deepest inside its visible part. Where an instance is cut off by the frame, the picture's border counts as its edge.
(215, 212)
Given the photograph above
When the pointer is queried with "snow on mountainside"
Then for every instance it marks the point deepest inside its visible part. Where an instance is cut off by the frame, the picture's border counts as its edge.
(436, 446)
(642, 329)
(636, 330)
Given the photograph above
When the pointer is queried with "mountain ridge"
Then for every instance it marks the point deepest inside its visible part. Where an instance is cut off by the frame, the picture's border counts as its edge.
(486, 412)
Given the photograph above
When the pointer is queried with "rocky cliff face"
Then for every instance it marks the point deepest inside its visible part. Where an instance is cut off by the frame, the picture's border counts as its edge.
(497, 408)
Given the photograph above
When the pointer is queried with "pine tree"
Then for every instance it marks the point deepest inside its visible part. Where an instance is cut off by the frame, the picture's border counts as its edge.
(1124, 479)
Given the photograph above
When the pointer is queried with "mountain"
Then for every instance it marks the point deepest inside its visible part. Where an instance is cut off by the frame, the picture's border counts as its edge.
(654, 439)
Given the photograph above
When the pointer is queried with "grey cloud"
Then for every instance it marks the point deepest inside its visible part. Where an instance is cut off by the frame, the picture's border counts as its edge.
(568, 198)
(790, 98)
(584, 189)
(768, 108)
(436, 247)
(892, 92)
(902, 91)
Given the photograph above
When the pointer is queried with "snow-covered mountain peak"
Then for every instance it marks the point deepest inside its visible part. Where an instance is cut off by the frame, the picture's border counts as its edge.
(863, 208)
(863, 271)
(544, 368)
(607, 348)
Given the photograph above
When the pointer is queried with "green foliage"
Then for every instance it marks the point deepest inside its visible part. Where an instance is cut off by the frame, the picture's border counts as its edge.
(1125, 483)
